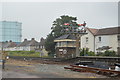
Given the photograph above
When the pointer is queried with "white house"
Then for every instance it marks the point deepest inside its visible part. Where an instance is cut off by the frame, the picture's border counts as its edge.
(101, 38)
(88, 40)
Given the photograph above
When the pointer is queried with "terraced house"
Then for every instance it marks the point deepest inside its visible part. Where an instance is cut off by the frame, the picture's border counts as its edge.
(8, 46)
(102, 39)
(27, 45)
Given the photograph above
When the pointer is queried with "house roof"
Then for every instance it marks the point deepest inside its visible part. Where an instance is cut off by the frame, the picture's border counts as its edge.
(93, 31)
(105, 31)
(42, 42)
(108, 31)
(7, 44)
(28, 43)
(67, 36)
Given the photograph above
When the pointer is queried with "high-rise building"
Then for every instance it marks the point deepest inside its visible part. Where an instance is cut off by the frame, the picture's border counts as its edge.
(10, 30)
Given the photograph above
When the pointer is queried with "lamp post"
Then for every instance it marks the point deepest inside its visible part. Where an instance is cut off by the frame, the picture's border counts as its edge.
(78, 30)
(3, 60)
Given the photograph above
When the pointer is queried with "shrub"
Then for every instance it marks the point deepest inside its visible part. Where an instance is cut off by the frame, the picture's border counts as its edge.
(107, 53)
(100, 54)
(91, 53)
(24, 53)
(86, 52)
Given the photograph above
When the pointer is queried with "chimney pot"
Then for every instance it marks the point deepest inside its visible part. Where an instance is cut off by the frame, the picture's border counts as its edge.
(33, 39)
(6, 41)
(42, 39)
(25, 39)
(10, 41)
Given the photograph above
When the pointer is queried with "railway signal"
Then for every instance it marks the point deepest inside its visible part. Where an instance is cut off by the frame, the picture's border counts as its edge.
(76, 29)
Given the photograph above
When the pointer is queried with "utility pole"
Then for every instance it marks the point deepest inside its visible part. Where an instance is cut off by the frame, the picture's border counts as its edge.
(77, 30)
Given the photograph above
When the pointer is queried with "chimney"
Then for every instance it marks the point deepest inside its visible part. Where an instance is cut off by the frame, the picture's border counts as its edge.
(10, 41)
(25, 39)
(41, 39)
(6, 41)
(33, 39)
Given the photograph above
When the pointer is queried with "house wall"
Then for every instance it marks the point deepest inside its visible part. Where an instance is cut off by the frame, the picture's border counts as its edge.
(106, 40)
(23, 48)
(31, 48)
(10, 49)
(90, 43)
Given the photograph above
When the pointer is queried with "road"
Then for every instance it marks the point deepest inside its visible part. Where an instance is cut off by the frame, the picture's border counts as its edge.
(25, 69)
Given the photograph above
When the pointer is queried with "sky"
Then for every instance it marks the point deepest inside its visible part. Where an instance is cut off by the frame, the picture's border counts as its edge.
(37, 17)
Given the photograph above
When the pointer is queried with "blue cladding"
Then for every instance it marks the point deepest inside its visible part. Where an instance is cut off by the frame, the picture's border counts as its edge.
(10, 31)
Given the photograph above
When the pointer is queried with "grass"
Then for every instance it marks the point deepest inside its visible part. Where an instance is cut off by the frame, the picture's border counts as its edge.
(24, 53)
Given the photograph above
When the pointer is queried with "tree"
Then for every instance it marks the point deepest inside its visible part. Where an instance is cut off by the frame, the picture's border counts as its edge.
(59, 22)
(56, 31)
(49, 44)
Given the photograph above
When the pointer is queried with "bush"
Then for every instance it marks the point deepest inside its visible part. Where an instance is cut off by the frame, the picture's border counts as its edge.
(51, 54)
(24, 53)
(91, 53)
(86, 52)
(100, 54)
(107, 53)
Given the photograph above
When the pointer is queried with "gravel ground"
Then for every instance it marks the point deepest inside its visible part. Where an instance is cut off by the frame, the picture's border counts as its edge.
(59, 70)
(30, 69)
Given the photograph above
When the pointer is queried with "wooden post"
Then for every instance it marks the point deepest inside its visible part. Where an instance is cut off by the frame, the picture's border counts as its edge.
(77, 45)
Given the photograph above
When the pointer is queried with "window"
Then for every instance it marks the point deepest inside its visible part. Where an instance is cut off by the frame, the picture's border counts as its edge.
(118, 37)
(86, 39)
(60, 44)
(99, 38)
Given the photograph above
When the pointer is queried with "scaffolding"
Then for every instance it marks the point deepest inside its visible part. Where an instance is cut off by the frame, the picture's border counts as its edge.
(10, 31)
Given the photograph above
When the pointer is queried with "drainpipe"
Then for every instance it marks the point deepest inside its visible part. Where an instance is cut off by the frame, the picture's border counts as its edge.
(94, 43)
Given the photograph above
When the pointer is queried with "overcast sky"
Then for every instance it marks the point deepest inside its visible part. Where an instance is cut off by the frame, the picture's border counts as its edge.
(37, 17)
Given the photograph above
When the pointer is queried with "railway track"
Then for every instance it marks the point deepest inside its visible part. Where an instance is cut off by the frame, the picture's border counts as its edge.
(110, 73)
